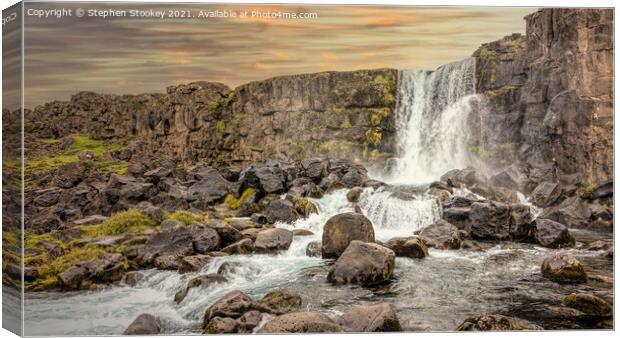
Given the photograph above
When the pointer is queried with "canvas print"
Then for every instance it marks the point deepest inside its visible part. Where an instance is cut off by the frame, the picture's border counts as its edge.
(210, 168)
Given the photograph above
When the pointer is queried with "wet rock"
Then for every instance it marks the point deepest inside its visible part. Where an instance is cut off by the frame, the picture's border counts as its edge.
(227, 233)
(364, 264)
(341, 229)
(314, 249)
(602, 190)
(441, 186)
(589, 304)
(521, 218)
(221, 325)
(572, 212)
(490, 220)
(166, 247)
(552, 234)
(109, 267)
(271, 240)
(205, 240)
(279, 302)
(371, 318)
(132, 278)
(303, 206)
(471, 245)
(354, 194)
(546, 193)
(193, 263)
(458, 216)
(232, 305)
(353, 178)
(600, 245)
(563, 268)
(281, 210)
(249, 321)
(466, 177)
(203, 281)
(257, 218)
(302, 232)
(496, 323)
(412, 247)
(441, 235)
(301, 322)
(251, 233)
(145, 324)
(228, 268)
(242, 247)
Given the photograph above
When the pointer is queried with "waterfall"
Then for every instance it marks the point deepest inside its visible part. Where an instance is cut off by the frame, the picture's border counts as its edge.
(431, 115)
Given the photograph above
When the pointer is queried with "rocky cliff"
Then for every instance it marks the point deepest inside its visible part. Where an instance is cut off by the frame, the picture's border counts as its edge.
(331, 114)
(551, 96)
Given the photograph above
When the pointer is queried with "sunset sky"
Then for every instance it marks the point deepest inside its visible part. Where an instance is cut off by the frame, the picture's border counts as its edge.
(130, 55)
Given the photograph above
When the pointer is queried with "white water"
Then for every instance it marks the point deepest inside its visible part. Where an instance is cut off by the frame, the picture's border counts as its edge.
(432, 110)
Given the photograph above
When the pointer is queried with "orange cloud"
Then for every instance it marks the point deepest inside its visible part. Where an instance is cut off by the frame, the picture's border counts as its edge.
(329, 55)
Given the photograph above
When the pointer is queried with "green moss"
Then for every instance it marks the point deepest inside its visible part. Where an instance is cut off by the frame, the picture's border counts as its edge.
(80, 144)
(488, 55)
(122, 222)
(304, 206)
(186, 217)
(373, 135)
(500, 91)
(345, 123)
(220, 126)
(234, 203)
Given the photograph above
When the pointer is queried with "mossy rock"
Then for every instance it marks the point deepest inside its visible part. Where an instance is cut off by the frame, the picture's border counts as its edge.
(563, 268)
(589, 304)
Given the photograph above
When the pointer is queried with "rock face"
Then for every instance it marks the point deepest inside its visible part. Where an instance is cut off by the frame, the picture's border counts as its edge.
(364, 264)
(563, 268)
(331, 114)
(341, 229)
(370, 318)
(301, 322)
(496, 323)
(550, 96)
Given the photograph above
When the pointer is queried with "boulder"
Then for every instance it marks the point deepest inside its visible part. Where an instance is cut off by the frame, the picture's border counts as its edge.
(601, 190)
(193, 263)
(167, 245)
(145, 324)
(354, 194)
(412, 247)
(314, 249)
(511, 178)
(251, 233)
(563, 268)
(341, 229)
(109, 267)
(279, 302)
(301, 322)
(552, 234)
(271, 179)
(490, 220)
(303, 206)
(132, 278)
(465, 177)
(370, 318)
(202, 281)
(271, 240)
(249, 321)
(441, 235)
(227, 233)
(458, 216)
(313, 168)
(281, 210)
(353, 178)
(363, 263)
(520, 222)
(205, 240)
(496, 323)
(233, 305)
(210, 189)
(228, 268)
(572, 212)
(589, 304)
(546, 193)
(302, 232)
(242, 247)
(221, 325)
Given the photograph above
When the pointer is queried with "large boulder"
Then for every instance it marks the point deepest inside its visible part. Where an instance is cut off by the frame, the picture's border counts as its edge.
(604, 189)
(205, 240)
(279, 302)
(552, 234)
(271, 240)
(193, 263)
(232, 305)
(313, 168)
(301, 322)
(563, 268)
(314, 249)
(341, 229)
(242, 247)
(249, 321)
(496, 323)
(167, 246)
(463, 177)
(210, 189)
(145, 324)
(281, 210)
(354, 194)
(546, 193)
(108, 267)
(589, 304)
(370, 318)
(228, 234)
(521, 219)
(490, 220)
(441, 235)
(412, 247)
(572, 212)
(221, 325)
(271, 179)
(363, 263)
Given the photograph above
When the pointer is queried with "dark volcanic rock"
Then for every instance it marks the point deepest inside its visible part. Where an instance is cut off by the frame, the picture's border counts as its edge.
(145, 324)
(341, 229)
(496, 323)
(552, 234)
(109, 267)
(412, 247)
(281, 210)
(211, 188)
(364, 264)
(490, 220)
(205, 240)
(546, 193)
(301, 322)
(370, 318)
(242, 247)
(441, 235)
(572, 212)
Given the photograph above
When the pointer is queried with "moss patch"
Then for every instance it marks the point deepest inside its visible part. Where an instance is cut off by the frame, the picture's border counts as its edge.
(186, 217)
(130, 220)
(234, 203)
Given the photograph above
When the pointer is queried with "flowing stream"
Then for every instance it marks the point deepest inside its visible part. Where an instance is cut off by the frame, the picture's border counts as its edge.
(436, 293)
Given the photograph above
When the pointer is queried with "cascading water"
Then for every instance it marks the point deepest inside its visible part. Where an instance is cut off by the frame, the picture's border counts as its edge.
(431, 112)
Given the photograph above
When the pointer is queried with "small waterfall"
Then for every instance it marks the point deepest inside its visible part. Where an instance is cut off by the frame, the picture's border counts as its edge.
(432, 111)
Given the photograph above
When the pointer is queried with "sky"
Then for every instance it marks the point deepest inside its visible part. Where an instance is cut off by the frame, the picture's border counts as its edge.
(124, 55)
